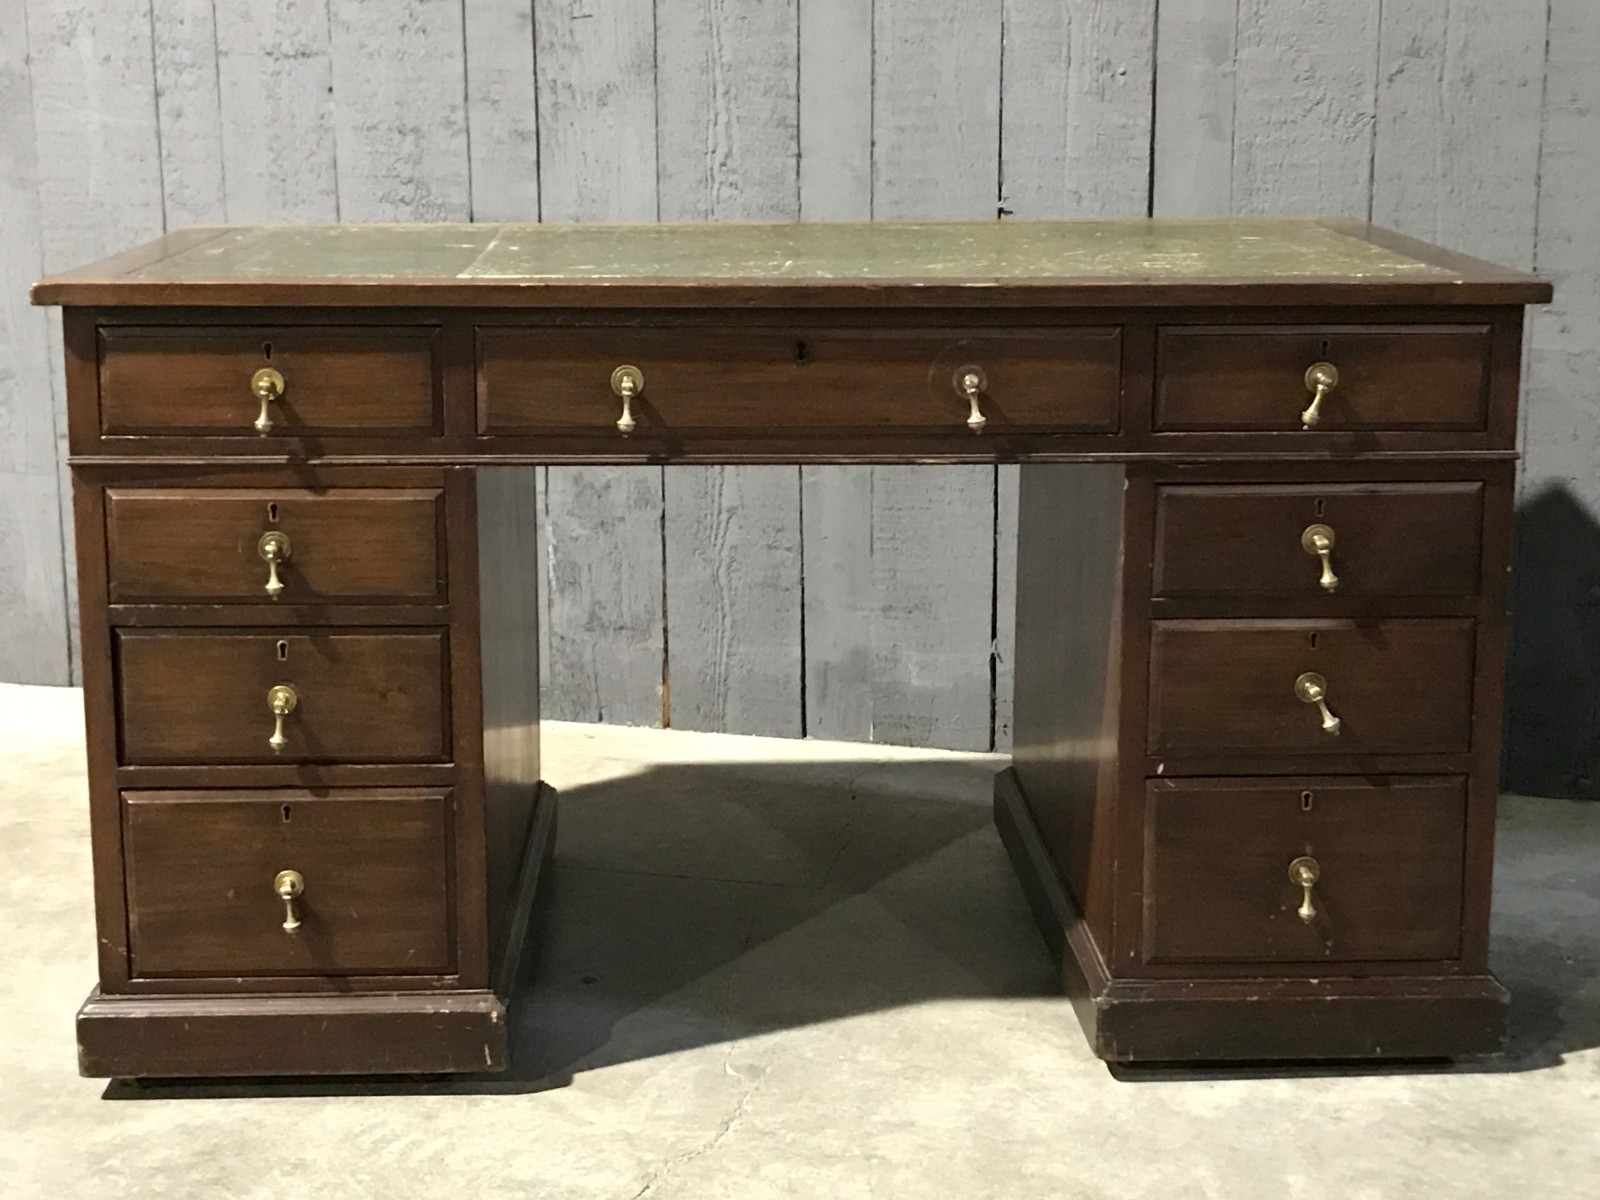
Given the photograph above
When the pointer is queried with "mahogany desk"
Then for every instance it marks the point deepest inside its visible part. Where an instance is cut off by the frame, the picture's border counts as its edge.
(1266, 507)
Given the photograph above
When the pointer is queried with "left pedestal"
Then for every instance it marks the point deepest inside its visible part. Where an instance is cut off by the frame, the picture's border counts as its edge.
(312, 713)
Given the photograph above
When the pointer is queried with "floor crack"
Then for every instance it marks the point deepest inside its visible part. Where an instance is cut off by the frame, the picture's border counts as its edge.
(740, 1109)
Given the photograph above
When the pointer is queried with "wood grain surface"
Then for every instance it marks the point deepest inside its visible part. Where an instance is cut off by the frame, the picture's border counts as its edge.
(201, 871)
(364, 697)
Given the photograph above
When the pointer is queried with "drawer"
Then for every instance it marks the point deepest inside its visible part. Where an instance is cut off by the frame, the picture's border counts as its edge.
(1233, 687)
(543, 380)
(216, 544)
(1387, 859)
(1255, 378)
(187, 697)
(202, 872)
(335, 381)
(1388, 539)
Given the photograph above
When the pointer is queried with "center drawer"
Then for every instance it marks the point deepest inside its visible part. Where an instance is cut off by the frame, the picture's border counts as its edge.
(363, 875)
(344, 696)
(546, 379)
(1311, 687)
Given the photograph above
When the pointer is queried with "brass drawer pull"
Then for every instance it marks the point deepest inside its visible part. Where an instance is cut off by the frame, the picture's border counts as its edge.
(1318, 540)
(970, 382)
(290, 886)
(1321, 379)
(1304, 873)
(627, 382)
(1311, 688)
(274, 549)
(267, 386)
(281, 700)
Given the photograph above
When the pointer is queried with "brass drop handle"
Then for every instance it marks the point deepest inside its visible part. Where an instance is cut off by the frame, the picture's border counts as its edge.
(1304, 873)
(627, 382)
(274, 549)
(1318, 540)
(1321, 379)
(290, 886)
(266, 385)
(281, 700)
(1312, 688)
(971, 382)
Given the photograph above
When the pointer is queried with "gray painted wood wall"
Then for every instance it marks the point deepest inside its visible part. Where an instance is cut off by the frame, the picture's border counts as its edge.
(844, 602)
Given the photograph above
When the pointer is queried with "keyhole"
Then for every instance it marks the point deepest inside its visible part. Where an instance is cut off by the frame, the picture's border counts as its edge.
(266, 351)
(1327, 347)
(1321, 506)
(1305, 804)
(1314, 638)
(283, 651)
(286, 812)
(272, 513)
(802, 352)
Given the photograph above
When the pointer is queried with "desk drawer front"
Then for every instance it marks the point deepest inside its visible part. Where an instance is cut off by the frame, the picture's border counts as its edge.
(1391, 539)
(1387, 862)
(353, 696)
(1252, 378)
(200, 381)
(372, 867)
(223, 544)
(1393, 687)
(545, 380)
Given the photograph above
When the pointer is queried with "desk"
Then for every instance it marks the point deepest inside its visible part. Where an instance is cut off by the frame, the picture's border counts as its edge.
(1265, 525)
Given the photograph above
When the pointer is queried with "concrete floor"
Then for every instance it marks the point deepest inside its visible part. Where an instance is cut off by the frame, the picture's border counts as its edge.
(788, 969)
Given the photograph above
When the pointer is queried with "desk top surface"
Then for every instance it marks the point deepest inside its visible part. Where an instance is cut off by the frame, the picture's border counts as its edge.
(1134, 261)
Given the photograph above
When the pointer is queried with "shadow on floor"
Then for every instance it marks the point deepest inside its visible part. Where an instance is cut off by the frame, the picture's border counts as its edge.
(694, 904)
(1552, 730)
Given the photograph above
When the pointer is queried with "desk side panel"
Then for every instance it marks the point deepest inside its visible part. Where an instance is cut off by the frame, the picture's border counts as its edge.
(508, 612)
(1069, 614)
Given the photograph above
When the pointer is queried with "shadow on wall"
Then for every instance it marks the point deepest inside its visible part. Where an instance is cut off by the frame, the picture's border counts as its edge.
(1552, 740)
(692, 905)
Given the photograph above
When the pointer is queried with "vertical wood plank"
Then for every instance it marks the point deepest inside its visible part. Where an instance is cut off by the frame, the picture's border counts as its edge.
(728, 148)
(95, 114)
(1075, 141)
(1196, 87)
(502, 110)
(930, 532)
(835, 110)
(1460, 92)
(275, 79)
(936, 108)
(733, 599)
(1553, 734)
(841, 603)
(1007, 506)
(1563, 432)
(1076, 108)
(597, 109)
(606, 590)
(932, 573)
(836, 502)
(601, 617)
(99, 162)
(189, 112)
(1305, 100)
(401, 131)
(33, 605)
